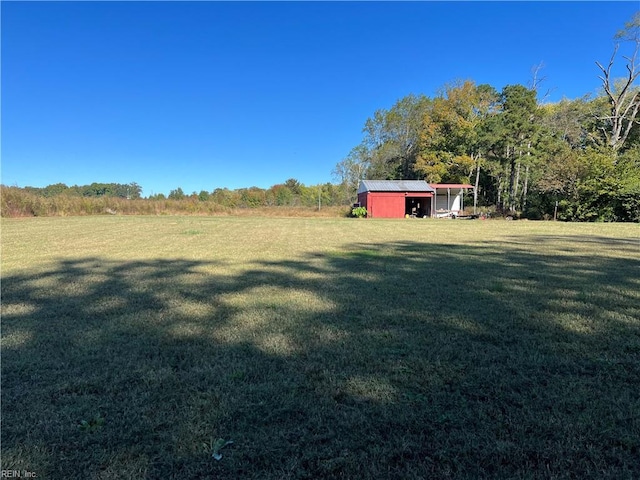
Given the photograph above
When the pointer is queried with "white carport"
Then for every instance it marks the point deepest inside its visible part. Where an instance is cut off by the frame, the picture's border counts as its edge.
(448, 200)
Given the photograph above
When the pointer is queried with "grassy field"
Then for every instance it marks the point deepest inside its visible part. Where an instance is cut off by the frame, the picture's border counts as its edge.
(323, 348)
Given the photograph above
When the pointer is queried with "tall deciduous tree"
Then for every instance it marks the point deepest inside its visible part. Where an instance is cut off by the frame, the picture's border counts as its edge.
(623, 97)
(350, 170)
(569, 121)
(392, 136)
(447, 137)
(450, 142)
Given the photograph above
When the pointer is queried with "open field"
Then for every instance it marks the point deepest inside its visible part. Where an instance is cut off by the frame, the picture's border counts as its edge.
(323, 348)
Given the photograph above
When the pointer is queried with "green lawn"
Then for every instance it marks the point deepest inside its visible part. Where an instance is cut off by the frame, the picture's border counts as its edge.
(323, 348)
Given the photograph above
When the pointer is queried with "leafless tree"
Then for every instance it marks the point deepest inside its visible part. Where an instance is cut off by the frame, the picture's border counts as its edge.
(536, 81)
(623, 97)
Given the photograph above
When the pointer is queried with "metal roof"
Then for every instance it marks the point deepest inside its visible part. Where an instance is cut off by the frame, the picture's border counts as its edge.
(439, 186)
(394, 186)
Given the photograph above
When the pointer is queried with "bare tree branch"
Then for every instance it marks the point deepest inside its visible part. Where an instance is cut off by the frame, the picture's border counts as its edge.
(624, 105)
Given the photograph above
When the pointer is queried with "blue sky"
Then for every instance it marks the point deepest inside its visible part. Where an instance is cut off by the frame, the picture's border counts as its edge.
(202, 95)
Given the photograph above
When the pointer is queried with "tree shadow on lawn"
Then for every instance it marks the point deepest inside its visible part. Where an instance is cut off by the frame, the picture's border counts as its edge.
(404, 360)
(629, 246)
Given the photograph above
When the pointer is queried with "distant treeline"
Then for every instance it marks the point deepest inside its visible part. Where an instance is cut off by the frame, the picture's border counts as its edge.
(121, 190)
(289, 198)
(291, 193)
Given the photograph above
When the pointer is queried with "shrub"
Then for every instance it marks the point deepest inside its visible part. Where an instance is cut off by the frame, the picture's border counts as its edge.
(359, 212)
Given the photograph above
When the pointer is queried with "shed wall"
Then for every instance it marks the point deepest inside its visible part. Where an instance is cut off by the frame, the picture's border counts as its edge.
(387, 204)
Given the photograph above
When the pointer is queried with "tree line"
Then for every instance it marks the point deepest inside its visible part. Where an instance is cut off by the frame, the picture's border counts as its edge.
(119, 190)
(291, 193)
(525, 157)
(289, 198)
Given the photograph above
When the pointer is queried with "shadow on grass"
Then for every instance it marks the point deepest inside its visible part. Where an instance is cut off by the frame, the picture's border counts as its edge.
(403, 360)
(630, 246)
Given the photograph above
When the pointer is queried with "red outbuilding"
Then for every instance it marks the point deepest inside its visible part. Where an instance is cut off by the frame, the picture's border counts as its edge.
(414, 198)
(396, 198)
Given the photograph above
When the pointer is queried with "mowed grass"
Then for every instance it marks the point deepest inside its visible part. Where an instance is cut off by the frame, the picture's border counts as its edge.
(323, 348)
